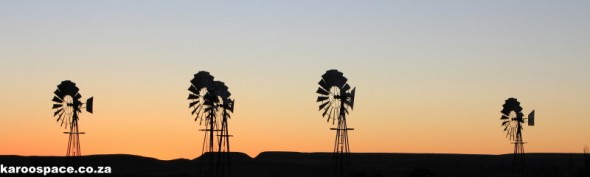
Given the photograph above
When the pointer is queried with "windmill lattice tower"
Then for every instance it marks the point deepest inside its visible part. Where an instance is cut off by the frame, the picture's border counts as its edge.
(335, 98)
(68, 107)
(512, 121)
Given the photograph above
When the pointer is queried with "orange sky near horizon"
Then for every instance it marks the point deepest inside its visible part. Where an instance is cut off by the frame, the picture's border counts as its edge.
(429, 80)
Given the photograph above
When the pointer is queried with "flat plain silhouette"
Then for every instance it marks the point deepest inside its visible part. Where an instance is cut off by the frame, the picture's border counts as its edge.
(295, 164)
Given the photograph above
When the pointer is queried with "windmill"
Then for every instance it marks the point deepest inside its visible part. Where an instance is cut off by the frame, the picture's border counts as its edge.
(211, 104)
(68, 107)
(512, 121)
(227, 107)
(336, 98)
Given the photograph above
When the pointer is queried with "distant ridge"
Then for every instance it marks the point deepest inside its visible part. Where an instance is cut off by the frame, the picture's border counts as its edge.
(233, 155)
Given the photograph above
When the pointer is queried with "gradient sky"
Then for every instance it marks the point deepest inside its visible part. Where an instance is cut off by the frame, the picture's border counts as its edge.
(431, 76)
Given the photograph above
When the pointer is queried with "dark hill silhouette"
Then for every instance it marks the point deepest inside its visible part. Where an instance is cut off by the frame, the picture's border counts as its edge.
(292, 164)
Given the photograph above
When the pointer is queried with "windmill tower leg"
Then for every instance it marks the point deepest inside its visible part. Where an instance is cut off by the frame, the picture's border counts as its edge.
(211, 145)
(337, 156)
(223, 151)
(70, 140)
(341, 155)
(518, 167)
(227, 153)
(73, 141)
(228, 157)
(208, 160)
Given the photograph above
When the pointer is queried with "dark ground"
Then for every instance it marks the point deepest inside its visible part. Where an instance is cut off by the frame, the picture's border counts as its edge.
(293, 164)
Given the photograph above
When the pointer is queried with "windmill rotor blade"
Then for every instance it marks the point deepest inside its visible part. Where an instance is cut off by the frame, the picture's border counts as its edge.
(57, 106)
(193, 90)
(334, 115)
(60, 118)
(65, 85)
(221, 89)
(322, 91)
(325, 112)
(333, 120)
(511, 104)
(505, 123)
(345, 88)
(194, 110)
(323, 84)
(322, 98)
(57, 112)
(324, 105)
(334, 78)
(193, 103)
(200, 107)
(57, 99)
(202, 80)
(58, 93)
(192, 96)
(62, 122)
(198, 114)
(68, 86)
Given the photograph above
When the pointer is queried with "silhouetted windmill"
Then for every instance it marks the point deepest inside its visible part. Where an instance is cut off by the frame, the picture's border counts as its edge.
(512, 120)
(207, 98)
(68, 105)
(335, 98)
(223, 148)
